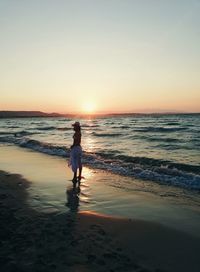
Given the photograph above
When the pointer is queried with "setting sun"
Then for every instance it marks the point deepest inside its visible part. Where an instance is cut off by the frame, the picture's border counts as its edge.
(89, 107)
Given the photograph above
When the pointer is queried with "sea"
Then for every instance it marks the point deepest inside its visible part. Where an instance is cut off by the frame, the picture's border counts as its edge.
(159, 148)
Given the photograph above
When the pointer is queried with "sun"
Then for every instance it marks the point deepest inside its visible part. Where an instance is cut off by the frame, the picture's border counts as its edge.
(89, 107)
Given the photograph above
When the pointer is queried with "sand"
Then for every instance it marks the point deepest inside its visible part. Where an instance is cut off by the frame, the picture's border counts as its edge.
(100, 191)
(84, 241)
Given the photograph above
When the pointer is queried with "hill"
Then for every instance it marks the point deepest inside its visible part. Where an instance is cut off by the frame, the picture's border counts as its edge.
(24, 114)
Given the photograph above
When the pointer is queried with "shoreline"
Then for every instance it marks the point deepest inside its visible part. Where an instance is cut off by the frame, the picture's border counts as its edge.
(85, 241)
(102, 192)
(179, 174)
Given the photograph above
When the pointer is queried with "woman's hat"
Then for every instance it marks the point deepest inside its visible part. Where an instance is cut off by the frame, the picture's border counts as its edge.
(76, 124)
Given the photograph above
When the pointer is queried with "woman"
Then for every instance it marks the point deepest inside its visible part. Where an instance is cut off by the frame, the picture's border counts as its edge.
(76, 152)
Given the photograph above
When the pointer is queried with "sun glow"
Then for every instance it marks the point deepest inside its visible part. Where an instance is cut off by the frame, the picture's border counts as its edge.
(89, 107)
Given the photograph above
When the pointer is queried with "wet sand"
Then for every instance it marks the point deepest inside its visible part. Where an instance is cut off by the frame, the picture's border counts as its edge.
(102, 192)
(84, 241)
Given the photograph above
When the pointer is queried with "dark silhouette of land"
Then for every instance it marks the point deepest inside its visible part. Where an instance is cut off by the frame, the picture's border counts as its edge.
(28, 114)
(10, 114)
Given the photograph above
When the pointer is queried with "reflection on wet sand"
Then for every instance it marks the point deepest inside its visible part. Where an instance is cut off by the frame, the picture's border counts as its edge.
(73, 194)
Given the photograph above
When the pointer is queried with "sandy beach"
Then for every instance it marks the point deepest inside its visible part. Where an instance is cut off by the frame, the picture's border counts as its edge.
(103, 94)
(112, 86)
(73, 239)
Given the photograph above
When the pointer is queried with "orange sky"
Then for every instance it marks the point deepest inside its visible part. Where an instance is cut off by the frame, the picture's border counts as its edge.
(106, 56)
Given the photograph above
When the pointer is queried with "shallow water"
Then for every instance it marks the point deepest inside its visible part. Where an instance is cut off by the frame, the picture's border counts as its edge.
(52, 191)
(160, 148)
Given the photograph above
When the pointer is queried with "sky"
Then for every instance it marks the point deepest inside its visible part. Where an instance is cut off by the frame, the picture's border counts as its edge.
(100, 55)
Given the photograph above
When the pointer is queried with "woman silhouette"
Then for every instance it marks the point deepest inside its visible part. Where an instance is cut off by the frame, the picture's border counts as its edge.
(76, 152)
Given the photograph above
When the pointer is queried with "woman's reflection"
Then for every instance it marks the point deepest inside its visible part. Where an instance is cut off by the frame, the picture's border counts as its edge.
(73, 194)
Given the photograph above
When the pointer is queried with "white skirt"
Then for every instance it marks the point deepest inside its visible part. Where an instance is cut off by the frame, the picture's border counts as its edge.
(75, 157)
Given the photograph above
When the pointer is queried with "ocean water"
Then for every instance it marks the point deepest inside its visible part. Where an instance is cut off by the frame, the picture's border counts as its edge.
(157, 148)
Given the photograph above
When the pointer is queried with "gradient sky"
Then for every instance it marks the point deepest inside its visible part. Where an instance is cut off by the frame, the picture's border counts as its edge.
(120, 55)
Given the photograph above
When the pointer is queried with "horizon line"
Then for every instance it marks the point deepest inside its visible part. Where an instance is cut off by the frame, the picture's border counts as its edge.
(99, 113)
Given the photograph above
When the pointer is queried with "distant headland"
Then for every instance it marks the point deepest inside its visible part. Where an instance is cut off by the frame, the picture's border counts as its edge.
(29, 114)
(21, 114)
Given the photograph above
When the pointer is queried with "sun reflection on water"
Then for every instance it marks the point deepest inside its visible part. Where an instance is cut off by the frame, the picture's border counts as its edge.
(88, 143)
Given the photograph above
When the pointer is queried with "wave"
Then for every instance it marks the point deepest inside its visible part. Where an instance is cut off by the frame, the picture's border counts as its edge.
(63, 128)
(161, 171)
(6, 133)
(45, 128)
(70, 128)
(158, 139)
(44, 147)
(159, 129)
(172, 124)
(11, 126)
(168, 147)
(17, 133)
(157, 162)
(123, 127)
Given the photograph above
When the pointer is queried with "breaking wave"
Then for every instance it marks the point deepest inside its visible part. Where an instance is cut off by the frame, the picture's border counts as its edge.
(162, 171)
(160, 129)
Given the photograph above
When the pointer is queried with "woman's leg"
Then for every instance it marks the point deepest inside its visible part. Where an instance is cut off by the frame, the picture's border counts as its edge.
(75, 176)
(80, 168)
(80, 172)
(74, 163)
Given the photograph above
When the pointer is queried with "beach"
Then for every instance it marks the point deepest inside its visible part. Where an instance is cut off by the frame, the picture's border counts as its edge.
(112, 86)
(38, 234)
(99, 136)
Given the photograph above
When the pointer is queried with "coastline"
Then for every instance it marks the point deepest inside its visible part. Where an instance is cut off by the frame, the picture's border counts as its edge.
(85, 241)
(101, 191)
